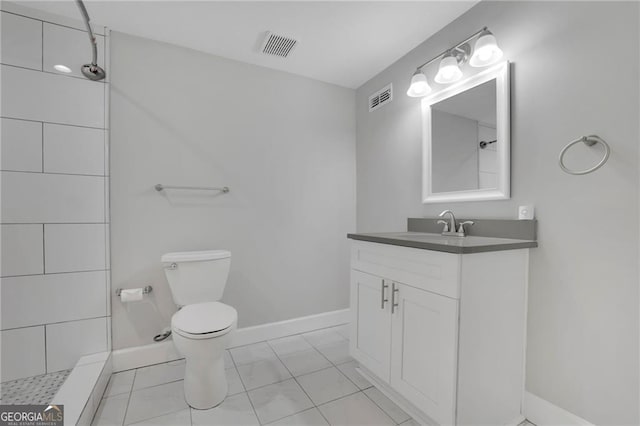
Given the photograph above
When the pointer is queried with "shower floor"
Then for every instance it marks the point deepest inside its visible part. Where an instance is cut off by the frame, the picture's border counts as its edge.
(33, 390)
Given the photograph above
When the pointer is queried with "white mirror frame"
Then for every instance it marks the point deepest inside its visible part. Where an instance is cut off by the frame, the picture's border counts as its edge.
(500, 73)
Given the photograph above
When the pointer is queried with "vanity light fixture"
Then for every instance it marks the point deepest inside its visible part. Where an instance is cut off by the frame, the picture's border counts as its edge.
(486, 52)
(419, 85)
(449, 70)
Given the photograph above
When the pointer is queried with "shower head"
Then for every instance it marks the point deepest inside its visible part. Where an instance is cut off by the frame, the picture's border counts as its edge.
(92, 71)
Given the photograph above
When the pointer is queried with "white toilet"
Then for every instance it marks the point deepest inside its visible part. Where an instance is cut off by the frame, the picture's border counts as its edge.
(202, 327)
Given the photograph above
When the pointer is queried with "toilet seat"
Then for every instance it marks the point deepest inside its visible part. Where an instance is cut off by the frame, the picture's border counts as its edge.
(204, 320)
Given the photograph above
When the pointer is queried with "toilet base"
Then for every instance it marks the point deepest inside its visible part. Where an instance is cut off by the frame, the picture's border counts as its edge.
(205, 386)
(205, 380)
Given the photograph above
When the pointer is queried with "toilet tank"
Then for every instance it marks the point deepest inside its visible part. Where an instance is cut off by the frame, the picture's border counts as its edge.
(197, 276)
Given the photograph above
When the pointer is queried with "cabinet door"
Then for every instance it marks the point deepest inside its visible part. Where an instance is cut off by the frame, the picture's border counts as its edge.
(370, 342)
(424, 350)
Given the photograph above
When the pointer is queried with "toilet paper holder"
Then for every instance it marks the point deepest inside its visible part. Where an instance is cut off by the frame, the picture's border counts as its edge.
(145, 290)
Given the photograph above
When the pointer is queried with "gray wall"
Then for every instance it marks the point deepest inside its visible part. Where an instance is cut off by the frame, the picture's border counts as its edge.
(284, 144)
(582, 351)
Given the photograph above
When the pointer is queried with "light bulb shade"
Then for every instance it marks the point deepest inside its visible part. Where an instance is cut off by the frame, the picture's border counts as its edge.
(486, 51)
(419, 86)
(449, 71)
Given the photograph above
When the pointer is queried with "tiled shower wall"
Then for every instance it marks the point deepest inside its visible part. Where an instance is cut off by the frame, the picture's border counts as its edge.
(54, 202)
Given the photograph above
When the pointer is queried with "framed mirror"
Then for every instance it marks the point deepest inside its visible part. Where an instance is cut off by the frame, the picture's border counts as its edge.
(466, 139)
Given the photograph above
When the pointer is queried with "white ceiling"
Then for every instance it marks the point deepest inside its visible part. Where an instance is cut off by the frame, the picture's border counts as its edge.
(340, 42)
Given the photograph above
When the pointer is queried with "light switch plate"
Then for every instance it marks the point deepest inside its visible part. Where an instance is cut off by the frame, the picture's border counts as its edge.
(526, 212)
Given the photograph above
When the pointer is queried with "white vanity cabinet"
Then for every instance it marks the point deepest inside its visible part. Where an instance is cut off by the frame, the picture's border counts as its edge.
(442, 334)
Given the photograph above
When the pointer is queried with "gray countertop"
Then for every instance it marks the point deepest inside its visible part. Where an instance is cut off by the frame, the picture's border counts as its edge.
(437, 242)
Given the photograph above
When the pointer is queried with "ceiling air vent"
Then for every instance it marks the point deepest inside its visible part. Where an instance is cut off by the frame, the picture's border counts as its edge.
(381, 97)
(278, 45)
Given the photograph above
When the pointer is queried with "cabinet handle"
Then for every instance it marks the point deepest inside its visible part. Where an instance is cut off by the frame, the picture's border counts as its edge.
(394, 290)
(383, 299)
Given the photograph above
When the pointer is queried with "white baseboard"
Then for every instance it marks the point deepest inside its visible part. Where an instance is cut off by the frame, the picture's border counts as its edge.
(274, 330)
(543, 413)
(156, 353)
(141, 356)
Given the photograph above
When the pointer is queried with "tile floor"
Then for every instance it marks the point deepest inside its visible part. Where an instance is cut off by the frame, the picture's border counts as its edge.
(306, 379)
(33, 390)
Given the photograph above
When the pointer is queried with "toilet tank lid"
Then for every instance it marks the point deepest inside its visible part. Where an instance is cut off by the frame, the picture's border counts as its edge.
(194, 256)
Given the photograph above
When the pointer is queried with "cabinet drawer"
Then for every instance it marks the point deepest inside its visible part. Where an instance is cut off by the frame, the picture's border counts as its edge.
(433, 271)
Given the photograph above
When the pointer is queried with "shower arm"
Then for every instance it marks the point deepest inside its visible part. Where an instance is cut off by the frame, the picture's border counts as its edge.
(92, 38)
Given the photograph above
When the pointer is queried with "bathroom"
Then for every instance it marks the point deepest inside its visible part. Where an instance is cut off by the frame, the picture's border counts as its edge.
(289, 156)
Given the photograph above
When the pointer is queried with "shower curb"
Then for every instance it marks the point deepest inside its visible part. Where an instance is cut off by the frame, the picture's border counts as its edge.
(82, 391)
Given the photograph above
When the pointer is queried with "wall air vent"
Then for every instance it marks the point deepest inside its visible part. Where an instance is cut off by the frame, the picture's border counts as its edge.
(381, 97)
(278, 45)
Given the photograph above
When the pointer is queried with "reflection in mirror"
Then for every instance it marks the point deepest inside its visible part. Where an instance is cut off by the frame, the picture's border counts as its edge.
(464, 129)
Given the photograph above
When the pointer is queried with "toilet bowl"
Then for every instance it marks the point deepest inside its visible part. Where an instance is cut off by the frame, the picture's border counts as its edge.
(202, 327)
(201, 334)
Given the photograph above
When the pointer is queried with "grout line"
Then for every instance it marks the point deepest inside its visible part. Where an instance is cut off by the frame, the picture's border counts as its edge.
(255, 413)
(361, 390)
(323, 355)
(54, 273)
(41, 45)
(52, 122)
(42, 70)
(53, 223)
(145, 420)
(336, 399)
(154, 386)
(51, 22)
(44, 258)
(126, 410)
(264, 386)
(46, 360)
(301, 387)
(235, 367)
(385, 411)
(51, 173)
(279, 359)
(19, 14)
(247, 391)
(42, 144)
(53, 323)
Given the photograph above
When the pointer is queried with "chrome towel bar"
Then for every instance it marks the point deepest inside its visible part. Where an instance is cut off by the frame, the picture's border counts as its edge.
(161, 187)
(588, 141)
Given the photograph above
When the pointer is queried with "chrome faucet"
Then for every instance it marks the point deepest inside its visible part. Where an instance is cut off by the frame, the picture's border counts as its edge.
(452, 227)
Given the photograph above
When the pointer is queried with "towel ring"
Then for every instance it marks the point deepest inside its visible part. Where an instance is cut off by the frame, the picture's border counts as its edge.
(589, 141)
